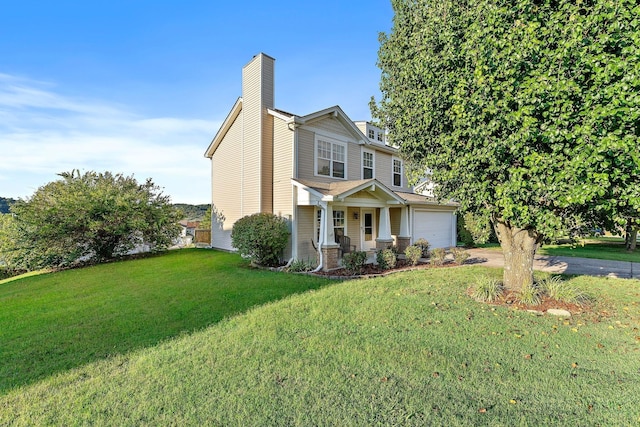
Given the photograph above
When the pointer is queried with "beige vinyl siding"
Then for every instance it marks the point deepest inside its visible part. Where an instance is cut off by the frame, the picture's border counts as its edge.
(383, 169)
(306, 231)
(384, 172)
(354, 161)
(251, 109)
(353, 227)
(226, 191)
(282, 168)
(305, 155)
(394, 219)
(331, 126)
(267, 165)
(257, 96)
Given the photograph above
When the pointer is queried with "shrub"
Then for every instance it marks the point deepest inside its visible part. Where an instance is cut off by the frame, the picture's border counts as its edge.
(437, 256)
(413, 254)
(353, 262)
(386, 258)
(487, 289)
(423, 244)
(299, 266)
(559, 290)
(261, 237)
(459, 255)
(530, 295)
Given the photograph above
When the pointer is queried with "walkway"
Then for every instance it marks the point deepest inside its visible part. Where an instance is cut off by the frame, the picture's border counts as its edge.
(563, 264)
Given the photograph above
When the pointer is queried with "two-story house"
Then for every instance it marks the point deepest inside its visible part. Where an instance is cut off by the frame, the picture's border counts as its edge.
(337, 182)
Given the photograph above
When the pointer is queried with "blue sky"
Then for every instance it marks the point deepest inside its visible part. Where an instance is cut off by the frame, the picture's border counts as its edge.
(141, 87)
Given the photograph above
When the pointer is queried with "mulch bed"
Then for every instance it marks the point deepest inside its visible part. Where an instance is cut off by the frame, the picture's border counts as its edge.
(370, 270)
(510, 299)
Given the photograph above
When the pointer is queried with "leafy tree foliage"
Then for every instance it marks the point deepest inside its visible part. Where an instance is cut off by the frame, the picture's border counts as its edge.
(262, 237)
(92, 217)
(526, 111)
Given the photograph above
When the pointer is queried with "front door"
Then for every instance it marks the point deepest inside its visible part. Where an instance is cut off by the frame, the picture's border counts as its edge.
(368, 229)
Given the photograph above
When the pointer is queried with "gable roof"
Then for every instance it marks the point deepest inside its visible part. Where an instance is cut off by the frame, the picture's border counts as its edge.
(337, 191)
(226, 125)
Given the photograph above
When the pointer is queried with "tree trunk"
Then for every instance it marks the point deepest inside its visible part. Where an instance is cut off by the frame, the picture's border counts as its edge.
(518, 247)
(631, 239)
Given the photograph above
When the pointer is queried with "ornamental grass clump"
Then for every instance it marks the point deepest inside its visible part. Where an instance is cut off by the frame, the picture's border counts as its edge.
(300, 266)
(423, 244)
(487, 289)
(413, 254)
(559, 290)
(459, 255)
(437, 256)
(530, 295)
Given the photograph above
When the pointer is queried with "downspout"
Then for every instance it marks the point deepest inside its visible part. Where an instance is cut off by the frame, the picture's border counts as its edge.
(323, 224)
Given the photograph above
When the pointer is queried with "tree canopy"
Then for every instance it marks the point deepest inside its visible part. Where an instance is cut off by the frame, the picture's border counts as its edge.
(525, 111)
(91, 217)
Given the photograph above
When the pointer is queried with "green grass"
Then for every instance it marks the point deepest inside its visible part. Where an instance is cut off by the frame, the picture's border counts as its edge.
(407, 349)
(54, 322)
(608, 248)
(598, 248)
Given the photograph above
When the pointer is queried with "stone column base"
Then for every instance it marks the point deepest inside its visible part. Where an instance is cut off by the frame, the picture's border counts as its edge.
(383, 244)
(403, 243)
(330, 257)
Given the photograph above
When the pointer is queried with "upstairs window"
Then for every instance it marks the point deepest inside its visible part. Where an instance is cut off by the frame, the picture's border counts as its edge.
(397, 172)
(372, 134)
(367, 164)
(380, 136)
(330, 159)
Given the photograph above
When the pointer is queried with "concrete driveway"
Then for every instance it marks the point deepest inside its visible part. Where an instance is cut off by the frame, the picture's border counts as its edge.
(564, 265)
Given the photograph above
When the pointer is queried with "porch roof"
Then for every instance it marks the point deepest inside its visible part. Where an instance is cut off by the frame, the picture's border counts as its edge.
(421, 199)
(339, 190)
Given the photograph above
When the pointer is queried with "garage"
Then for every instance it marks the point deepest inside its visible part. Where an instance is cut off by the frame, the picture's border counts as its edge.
(438, 227)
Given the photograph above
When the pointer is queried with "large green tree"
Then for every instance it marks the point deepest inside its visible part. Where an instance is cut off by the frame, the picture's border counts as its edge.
(92, 217)
(524, 111)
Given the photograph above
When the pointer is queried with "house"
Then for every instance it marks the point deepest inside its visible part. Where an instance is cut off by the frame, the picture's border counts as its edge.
(337, 182)
(188, 227)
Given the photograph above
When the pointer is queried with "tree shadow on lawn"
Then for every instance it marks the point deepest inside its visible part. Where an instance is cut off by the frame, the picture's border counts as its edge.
(47, 344)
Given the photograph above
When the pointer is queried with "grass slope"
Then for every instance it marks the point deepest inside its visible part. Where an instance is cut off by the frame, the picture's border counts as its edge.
(54, 322)
(407, 349)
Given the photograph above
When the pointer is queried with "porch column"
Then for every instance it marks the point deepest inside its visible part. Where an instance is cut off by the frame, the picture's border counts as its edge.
(384, 239)
(404, 238)
(330, 249)
(328, 239)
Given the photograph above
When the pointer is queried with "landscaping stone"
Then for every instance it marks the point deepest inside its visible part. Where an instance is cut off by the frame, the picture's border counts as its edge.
(536, 312)
(558, 312)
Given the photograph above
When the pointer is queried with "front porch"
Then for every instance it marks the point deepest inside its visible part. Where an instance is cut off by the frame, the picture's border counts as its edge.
(350, 216)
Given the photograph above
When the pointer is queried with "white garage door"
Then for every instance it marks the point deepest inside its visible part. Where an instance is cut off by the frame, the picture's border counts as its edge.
(436, 227)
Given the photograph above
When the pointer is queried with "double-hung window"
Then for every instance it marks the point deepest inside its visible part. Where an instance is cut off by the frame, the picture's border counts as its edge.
(397, 172)
(367, 164)
(330, 158)
(338, 225)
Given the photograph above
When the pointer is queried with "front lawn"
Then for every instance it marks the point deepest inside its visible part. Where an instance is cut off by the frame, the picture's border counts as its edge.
(407, 349)
(54, 322)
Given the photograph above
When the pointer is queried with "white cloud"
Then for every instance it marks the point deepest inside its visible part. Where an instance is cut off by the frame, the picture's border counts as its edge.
(43, 132)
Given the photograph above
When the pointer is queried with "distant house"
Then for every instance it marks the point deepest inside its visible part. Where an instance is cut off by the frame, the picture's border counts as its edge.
(188, 227)
(336, 181)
